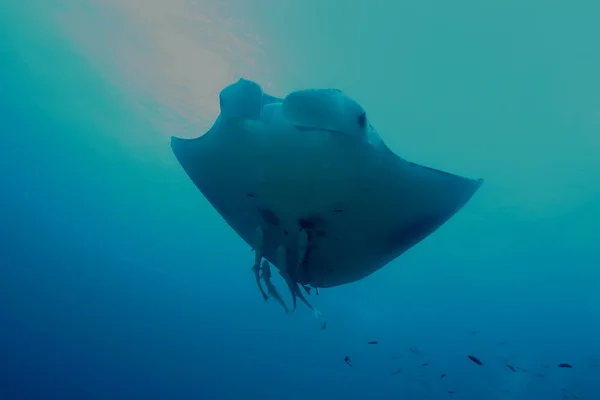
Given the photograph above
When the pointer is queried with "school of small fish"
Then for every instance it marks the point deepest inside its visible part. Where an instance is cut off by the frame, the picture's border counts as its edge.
(564, 393)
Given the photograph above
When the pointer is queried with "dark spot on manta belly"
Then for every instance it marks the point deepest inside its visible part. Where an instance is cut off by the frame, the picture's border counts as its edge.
(269, 216)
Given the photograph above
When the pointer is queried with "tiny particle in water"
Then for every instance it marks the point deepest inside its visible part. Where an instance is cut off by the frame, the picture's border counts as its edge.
(396, 372)
(475, 360)
(443, 375)
(565, 365)
(424, 364)
(373, 342)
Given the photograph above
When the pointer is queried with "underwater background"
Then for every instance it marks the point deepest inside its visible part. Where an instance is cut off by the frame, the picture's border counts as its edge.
(118, 280)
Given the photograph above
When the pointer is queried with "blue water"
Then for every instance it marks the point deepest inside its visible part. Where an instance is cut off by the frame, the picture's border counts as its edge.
(119, 281)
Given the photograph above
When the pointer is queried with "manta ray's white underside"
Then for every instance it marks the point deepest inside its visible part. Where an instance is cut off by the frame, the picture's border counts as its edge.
(361, 204)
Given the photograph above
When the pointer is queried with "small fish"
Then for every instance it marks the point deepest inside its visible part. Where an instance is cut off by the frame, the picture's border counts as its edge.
(347, 361)
(266, 274)
(302, 251)
(256, 270)
(565, 365)
(475, 360)
(443, 375)
(292, 285)
(424, 364)
(258, 244)
(282, 264)
(373, 342)
(324, 325)
(450, 391)
(511, 368)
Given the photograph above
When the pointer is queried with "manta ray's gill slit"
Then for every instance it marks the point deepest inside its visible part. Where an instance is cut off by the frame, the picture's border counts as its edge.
(310, 223)
(269, 216)
(314, 226)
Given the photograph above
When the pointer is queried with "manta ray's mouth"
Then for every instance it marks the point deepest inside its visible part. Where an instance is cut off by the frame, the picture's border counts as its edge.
(309, 128)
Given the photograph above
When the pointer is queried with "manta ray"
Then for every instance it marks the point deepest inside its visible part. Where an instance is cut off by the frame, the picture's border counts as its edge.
(309, 184)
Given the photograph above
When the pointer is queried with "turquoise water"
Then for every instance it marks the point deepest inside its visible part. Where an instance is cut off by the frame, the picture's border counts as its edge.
(119, 281)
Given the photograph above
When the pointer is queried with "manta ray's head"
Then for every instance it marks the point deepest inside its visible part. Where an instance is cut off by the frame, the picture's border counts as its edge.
(325, 109)
(242, 99)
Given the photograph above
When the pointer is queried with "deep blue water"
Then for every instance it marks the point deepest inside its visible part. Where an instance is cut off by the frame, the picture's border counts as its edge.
(119, 281)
